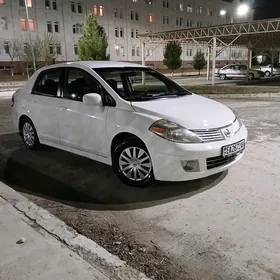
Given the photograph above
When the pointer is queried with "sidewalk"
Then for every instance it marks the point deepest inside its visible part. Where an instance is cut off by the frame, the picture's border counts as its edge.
(41, 256)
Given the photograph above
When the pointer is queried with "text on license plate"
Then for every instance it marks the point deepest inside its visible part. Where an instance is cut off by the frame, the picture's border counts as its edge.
(233, 149)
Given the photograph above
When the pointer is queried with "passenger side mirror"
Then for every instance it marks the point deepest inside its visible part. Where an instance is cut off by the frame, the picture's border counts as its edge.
(93, 99)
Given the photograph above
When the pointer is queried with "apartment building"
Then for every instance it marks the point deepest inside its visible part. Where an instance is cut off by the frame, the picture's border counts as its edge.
(123, 20)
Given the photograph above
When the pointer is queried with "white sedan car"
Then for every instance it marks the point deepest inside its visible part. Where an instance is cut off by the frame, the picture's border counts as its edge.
(131, 117)
(234, 71)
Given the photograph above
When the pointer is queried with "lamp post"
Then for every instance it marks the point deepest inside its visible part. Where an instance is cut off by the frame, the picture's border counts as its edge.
(29, 34)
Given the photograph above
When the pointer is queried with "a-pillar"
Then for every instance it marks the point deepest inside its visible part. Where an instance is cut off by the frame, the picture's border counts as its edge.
(214, 54)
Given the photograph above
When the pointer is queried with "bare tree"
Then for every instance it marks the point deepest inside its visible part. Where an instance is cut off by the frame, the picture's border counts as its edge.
(45, 50)
(13, 49)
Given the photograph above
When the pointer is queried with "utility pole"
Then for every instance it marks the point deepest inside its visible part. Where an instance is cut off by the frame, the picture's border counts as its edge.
(29, 33)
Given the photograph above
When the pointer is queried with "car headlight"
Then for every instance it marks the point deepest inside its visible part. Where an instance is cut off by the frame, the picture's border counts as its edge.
(174, 132)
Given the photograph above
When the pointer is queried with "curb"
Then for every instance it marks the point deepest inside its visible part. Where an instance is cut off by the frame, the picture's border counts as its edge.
(109, 264)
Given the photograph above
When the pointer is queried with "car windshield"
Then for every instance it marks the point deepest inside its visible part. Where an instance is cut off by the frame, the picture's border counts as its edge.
(140, 84)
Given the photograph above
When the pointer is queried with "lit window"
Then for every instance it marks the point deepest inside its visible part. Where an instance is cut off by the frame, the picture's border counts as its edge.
(73, 7)
(135, 1)
(117, 48)
(101, 11)
(23, 24)
(180, 7)
(31, 25)
(47, 4)
(149, 18)
(122, 51)
(189, 9)
(79, 8)
(2, 2)
(149, 2)
(199, 10)
(138, 51)
(95, 10)
(75, 49)
(29, 3)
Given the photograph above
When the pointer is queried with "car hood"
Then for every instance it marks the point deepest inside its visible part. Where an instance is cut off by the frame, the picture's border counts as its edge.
(190, 111)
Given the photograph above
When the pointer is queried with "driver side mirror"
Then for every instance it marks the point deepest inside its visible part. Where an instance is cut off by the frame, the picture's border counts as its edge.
(93, 99)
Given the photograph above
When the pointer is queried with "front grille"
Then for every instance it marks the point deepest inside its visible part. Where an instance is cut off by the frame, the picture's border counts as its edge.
(214, 162)
(209, 135)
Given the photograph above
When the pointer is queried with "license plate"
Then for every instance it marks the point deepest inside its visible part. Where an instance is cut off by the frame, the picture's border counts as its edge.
(233, 149)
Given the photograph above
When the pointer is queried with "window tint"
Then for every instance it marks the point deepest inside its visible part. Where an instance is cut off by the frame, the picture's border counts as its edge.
(48, 83)
(79, 83)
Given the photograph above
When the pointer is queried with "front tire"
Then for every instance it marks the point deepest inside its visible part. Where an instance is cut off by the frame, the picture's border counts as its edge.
(223, 77)
(267, 74)
(29, 134)
(132, 163)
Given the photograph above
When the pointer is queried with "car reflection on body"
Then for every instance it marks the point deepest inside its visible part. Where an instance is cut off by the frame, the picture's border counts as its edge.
(131, 117)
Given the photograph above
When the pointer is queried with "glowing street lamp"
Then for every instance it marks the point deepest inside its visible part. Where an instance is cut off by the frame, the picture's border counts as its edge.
(243, 10)
(223, 12)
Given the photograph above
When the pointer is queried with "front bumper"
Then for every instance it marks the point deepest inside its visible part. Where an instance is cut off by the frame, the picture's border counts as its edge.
(167, 157)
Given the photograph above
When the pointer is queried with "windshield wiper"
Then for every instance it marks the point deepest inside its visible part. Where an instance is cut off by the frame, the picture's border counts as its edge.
(151, 96)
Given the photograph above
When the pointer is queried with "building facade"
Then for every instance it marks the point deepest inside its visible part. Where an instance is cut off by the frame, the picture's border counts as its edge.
(122, 20)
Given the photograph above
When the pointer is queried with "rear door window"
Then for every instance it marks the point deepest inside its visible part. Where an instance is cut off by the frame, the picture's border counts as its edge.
(48, 83)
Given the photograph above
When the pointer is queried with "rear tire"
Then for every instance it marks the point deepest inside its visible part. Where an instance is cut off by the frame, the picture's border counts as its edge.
(223, 77)
(251, 76)
(132, 163)
(29, 134)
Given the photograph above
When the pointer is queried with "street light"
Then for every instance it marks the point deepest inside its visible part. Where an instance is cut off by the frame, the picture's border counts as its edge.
(223, 12)
(243, 10)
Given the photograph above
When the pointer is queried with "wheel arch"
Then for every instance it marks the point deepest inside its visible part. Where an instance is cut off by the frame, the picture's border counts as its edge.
(122, 136)
(22, 117)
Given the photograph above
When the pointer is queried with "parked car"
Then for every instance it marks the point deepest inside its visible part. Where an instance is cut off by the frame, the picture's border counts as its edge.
(234, 71)
(131, 117)
(268, 69)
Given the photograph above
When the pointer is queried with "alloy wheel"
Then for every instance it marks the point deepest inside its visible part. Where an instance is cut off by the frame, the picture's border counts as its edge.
(28, 134)
(135, 164)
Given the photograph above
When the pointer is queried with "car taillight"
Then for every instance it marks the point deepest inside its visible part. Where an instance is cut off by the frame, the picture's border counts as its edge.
(13, 100)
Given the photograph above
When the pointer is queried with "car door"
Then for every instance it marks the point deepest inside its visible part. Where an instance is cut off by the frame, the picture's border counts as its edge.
(242, 71)
(231, 72)
(41, 106)
(81, 126)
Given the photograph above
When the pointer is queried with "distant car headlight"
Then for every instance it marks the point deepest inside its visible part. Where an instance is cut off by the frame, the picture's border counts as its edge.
(174, 132)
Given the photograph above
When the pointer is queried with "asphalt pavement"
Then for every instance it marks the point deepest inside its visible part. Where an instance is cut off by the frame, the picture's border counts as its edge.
(223, 227)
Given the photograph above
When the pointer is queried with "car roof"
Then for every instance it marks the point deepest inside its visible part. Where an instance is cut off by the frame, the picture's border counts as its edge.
(96, 64)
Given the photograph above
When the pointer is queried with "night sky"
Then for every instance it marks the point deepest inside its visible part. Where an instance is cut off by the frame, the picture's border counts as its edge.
(265, 9)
